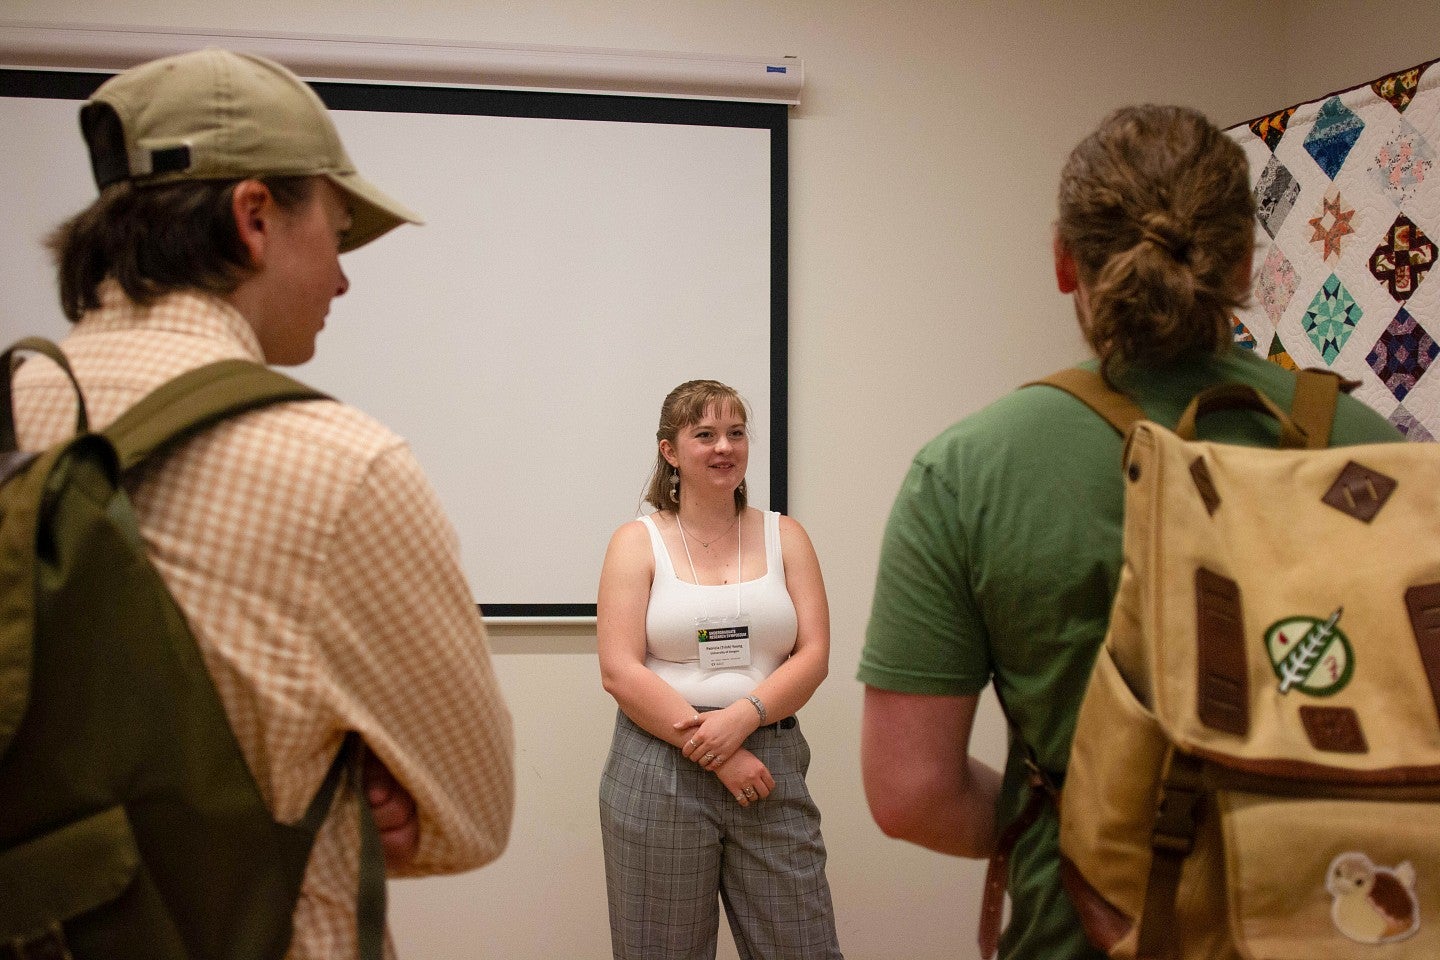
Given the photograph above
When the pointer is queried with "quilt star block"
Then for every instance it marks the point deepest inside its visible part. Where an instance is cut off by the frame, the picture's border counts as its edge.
(1402, 354)
(1331, 318)
(1347, 196)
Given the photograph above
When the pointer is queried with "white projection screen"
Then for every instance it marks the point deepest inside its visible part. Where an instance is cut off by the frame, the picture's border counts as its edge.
(582, 255)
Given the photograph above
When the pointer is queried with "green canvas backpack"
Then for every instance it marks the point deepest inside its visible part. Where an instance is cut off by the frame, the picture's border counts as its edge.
(130, 825)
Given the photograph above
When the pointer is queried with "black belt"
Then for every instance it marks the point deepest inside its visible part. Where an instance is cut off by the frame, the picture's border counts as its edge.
(786, 724)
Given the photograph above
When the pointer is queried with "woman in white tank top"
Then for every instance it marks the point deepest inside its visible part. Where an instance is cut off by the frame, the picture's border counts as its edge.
(713, 631)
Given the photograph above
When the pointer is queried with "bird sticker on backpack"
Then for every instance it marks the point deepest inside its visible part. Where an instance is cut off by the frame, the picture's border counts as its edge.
(1372, 904)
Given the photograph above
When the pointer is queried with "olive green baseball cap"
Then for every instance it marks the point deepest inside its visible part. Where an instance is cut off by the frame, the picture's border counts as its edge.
(217, 115)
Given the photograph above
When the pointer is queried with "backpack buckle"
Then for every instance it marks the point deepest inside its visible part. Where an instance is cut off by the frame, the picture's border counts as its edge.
(1038, 778)
(50, 944)
(1177, 819)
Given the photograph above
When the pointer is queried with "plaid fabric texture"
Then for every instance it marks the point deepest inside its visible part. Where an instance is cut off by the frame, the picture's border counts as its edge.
(677, 845)
(320, 577)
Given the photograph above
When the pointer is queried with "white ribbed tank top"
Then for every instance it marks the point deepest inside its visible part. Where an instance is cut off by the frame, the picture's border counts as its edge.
(671, 649)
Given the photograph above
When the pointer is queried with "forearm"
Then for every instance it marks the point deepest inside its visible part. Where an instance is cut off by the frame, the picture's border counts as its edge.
(405, 662)
(651, 704)
(463, 785)
(793, 683)
(956, 819)
(920, 780)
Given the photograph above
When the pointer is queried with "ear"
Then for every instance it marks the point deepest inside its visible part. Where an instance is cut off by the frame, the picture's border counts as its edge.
(253, 207)
(1066, 277)
(1243, 277)
(667, 450)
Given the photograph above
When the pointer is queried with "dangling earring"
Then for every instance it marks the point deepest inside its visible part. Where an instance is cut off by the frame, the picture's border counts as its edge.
(675, 487)
(742, 488)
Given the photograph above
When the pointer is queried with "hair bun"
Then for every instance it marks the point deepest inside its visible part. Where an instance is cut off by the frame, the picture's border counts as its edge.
(1156, 209)
(1159, 229)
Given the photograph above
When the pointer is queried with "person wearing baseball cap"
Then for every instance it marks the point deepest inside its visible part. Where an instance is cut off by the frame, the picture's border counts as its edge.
(302, 542)
(216, 115)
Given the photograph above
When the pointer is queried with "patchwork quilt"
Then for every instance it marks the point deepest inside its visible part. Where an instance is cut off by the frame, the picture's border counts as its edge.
(1347, 189)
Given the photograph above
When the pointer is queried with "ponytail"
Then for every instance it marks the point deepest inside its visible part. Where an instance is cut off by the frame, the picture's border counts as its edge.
(1156, 209)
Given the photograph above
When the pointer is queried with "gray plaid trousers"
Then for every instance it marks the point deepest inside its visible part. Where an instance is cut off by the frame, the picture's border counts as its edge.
(676, 842)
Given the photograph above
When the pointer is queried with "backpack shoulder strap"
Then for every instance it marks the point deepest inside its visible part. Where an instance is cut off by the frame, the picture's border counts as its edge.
(1313, 408)
(180, 408)
(348, 767)
(196, 399)
(1116, 408)
(1044, 791)
(8, 360)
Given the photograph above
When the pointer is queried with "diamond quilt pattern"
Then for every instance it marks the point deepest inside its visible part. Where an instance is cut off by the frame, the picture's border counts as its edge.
(1347, 190)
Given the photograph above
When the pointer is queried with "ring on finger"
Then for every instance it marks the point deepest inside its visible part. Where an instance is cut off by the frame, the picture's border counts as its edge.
(709, 757)
(749, 792)
(740, 797)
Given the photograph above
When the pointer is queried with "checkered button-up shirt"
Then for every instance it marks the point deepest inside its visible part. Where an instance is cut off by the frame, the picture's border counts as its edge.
(321, 580)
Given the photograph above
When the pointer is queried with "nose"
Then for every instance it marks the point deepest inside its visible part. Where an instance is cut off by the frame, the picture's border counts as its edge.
(723, 444)
(344, 282)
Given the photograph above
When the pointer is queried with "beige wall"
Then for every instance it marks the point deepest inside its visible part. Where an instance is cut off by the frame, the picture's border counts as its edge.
(923, 163)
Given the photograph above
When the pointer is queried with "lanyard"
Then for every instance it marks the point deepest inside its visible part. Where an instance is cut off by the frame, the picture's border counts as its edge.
(685, 542)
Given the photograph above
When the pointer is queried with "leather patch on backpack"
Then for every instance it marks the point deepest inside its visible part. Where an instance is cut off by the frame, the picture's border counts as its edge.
(1359, 491)
(1423, 602)
(1334, 729)
(1223, 694)
(1204, 485)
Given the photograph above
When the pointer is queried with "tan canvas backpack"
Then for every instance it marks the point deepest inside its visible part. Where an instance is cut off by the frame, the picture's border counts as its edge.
(1256, 765)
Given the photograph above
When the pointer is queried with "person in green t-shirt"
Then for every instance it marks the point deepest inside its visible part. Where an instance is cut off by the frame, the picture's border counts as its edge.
(1002, 552)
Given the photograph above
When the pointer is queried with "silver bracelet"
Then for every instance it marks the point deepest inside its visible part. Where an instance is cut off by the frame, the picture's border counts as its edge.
(759, 707)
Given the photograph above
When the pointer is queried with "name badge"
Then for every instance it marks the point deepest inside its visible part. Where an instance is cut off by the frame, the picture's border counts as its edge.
(724, 642)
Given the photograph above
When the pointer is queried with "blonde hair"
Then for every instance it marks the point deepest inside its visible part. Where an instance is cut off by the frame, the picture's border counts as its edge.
(683, 406)
(1157, 211)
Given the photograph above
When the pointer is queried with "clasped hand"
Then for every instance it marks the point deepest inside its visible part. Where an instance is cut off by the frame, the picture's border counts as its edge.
(393, 808)
(746, 777)
(717, 744)
(717, 734)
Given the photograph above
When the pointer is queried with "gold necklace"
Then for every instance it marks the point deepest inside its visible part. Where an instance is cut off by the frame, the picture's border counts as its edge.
(705, 543)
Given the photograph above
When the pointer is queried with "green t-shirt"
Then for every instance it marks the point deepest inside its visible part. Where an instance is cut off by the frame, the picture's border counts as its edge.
(999, 565)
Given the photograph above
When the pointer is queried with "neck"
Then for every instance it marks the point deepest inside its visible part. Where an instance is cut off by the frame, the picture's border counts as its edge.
(712, 511)
(709, 526)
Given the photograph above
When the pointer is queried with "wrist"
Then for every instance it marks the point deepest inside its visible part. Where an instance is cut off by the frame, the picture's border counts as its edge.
(760, 711)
